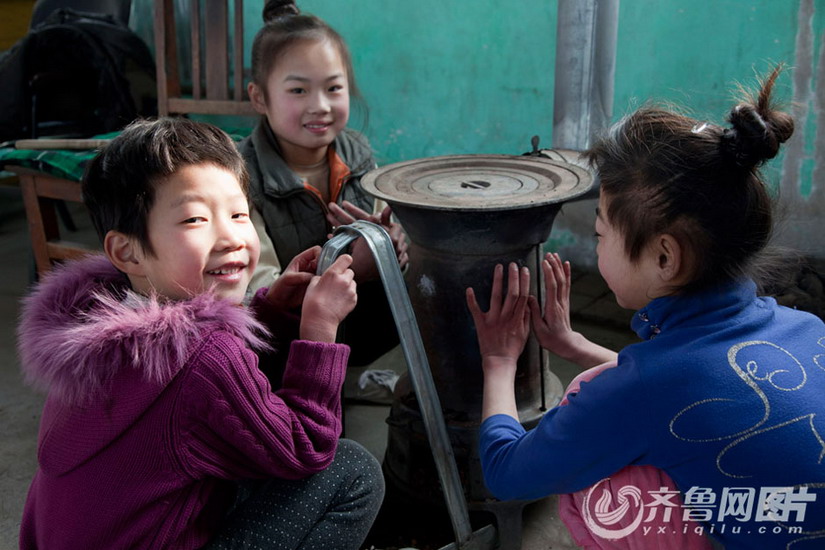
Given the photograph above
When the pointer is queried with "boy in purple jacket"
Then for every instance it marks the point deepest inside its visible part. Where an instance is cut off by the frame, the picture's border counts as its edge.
(159, 431)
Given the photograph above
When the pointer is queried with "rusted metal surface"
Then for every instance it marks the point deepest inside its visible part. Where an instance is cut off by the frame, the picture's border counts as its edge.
(463, 215)
(468, 183)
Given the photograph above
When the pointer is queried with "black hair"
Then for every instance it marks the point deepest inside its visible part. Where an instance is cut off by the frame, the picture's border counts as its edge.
(663, 172)
(119, 182)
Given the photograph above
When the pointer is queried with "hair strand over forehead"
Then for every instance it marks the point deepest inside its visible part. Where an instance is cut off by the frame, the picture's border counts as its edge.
(119, 183)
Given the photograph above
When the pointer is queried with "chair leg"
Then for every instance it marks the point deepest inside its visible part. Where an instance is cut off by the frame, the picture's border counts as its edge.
(34, 277)
(65, 215)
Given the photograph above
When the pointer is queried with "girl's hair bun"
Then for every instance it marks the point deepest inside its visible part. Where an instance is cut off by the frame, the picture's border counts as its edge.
(273, 9)
(758, 130)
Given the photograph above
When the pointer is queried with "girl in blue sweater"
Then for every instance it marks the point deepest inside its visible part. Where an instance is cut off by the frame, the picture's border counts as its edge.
(725, 395)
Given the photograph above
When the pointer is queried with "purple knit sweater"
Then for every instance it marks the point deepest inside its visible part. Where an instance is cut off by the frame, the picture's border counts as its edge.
(153, 408)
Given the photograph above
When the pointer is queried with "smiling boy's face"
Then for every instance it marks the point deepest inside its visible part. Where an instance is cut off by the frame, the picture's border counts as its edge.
(201, 236)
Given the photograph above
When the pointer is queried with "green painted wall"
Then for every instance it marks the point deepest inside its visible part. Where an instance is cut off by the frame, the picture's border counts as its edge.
(450, 77)
(476, 76)
(696, 53)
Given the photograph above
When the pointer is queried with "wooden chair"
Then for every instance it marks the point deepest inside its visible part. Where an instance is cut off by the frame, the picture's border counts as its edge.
(210, 92)
(41, 192)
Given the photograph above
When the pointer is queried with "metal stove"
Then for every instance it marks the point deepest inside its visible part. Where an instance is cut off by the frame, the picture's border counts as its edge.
(463, 214)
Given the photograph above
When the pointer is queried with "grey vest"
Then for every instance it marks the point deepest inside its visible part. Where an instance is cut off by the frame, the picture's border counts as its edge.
(295, 218)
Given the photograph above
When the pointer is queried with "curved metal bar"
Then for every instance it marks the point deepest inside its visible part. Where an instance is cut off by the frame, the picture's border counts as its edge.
(418, 367)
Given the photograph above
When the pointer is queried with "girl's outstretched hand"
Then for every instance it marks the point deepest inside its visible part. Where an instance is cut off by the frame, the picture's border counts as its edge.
(329, 298)
(363, 261)
(504, 328)
(502, 334)
(551, 325)
(287, 292)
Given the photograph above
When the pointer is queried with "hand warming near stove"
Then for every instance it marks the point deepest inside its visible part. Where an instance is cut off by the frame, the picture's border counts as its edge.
(711, 425)
(502, 332)
(551, 324)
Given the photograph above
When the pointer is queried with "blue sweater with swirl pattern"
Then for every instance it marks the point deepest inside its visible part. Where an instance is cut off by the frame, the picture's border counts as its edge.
(725, 393)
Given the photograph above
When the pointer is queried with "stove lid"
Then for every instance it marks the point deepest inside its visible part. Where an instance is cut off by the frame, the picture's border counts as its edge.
(478, 182)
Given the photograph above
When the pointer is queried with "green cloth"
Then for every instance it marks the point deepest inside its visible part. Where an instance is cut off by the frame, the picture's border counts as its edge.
(68, 164)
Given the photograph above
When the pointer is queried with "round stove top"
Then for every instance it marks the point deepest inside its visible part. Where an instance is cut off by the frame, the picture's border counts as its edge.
(478, 182)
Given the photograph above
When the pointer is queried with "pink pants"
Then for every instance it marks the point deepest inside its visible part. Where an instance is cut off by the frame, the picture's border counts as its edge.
(611, 514)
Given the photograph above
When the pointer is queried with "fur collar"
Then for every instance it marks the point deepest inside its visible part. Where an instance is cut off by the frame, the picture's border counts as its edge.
(83, 323)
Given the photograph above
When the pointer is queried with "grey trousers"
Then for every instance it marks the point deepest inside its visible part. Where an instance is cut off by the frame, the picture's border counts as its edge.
(333, 509)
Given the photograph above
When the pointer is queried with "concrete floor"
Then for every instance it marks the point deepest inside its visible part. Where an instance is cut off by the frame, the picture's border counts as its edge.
(595, 314)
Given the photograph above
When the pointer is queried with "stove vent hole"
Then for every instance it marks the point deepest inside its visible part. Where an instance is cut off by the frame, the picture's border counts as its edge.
(475, 184)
